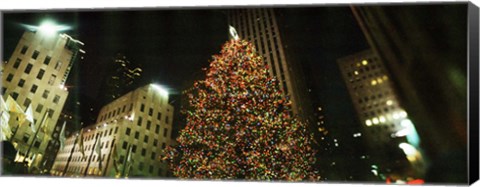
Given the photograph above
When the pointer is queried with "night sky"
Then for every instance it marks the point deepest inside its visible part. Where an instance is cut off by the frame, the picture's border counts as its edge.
(172, 45)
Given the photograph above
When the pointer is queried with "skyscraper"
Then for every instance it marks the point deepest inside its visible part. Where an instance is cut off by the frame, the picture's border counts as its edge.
(260, 26)
(127, 140)
(121, 77)
(35, 76)
(391, 137)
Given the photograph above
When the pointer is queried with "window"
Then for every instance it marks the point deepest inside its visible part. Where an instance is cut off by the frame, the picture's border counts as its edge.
(110, 133)
(34, 88)
(150, 169)
(139, 121)
(28, 68)
(45, 93)
(124, 146)
(163, 145)
(9, 77)
(3, 90)
(166, 119)
(50, 112)
(17, 63)
(14, 95)
(24, 50)
(142, 107)
(123, 109)
(134, 149)
(159, 115)
(21, 82)
(58, 65)
(157, 129)
(144, 151)
(165, 131)
(155, 143)
(127, 132)
(137, 134)
(27, 102)
(116, 130)
(153, 155)
(47, 60)
(35, 54)
(25, 138)
(145, 139)
(150, 111)
(140, 166)
(52, 79)
(37, 144)
(40, 74)
(56, 99)
(149, 123)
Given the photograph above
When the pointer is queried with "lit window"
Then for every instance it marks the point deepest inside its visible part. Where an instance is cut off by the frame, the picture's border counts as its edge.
(379, 80)
(389, 102)
(355, 72)
(382, 119)
(403, 114)
(364, 62)
(374, 82)
(385, 77)
(58, 65)
(375, 121)
(368, 122)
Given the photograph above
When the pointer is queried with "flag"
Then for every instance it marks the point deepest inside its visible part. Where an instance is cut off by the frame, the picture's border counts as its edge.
(98, 150)
(80, 139)
(44, 124)
(29, 117)
(14, 108)
(129, 161)
(5, 130)
(62, 138)
(115, 158)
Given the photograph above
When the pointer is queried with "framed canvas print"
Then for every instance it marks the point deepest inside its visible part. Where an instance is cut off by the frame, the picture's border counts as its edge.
(325, 93)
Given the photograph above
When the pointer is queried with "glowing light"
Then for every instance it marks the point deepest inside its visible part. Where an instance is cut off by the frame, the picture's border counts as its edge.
(374, 82)
(355, 72)
(410, 132)
(382, 119)
(389, 102)
(160, 89)
(402, 114)
(385, 77)
(395, 116)
(368, 122)
(379, 80)
(410, 151)
(49, 28)
(375, 121)
(364, 62)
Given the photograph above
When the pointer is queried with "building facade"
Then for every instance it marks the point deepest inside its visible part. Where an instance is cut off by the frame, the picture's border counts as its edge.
(127, 140)
(260, 26)
(428, 61)
(35, 76)
(389, 134)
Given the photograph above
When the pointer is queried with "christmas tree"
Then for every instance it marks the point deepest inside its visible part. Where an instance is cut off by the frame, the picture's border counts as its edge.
(240, 125)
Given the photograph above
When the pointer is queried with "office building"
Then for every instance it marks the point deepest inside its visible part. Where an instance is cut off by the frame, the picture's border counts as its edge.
(391, 138)
(428, 61)
(121, 77)
(139, 126)
(260, 26)
(35, 76)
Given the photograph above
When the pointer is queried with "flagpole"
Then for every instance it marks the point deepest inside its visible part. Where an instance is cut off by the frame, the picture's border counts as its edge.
(109, 156)
(70, 157)
(35, 136)
(91, 154)
(125, 161)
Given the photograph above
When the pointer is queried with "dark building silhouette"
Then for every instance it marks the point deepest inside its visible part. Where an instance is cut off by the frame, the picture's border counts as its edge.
(424, 48)
(121, 77)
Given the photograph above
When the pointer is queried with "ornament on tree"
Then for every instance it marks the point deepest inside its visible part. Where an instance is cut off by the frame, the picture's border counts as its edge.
(240, 126)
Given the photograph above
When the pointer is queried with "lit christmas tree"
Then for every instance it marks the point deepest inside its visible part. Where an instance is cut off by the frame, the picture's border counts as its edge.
(239, 125)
